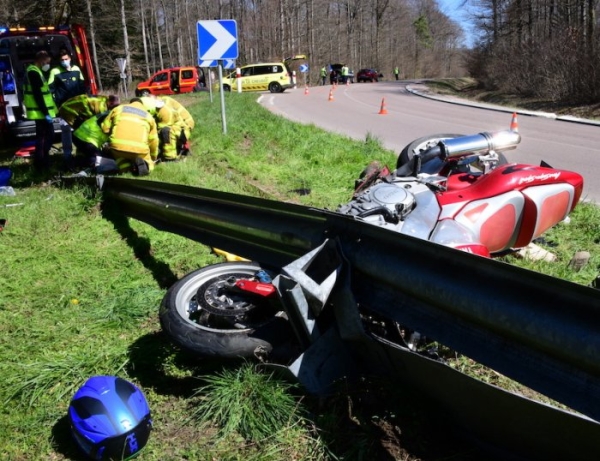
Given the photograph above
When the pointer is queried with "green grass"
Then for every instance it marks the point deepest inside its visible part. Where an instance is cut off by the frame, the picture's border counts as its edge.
(254, 409)
(81, 285)
(579, 233)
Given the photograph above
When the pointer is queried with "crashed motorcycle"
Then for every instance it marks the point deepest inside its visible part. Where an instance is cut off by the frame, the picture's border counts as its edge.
(453, 190)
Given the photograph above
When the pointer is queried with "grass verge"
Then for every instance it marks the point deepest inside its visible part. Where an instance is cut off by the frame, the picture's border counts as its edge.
(81, 287)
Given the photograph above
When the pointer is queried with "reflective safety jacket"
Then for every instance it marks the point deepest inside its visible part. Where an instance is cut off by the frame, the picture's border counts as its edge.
(90, 131)
(34, 112)
(167, 116)
(183, 112)
(132, 129)
(150, 103)
(163, 114)
(66, 84)
(83, 107)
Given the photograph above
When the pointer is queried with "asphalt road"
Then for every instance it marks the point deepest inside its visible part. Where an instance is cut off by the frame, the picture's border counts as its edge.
(354, 111)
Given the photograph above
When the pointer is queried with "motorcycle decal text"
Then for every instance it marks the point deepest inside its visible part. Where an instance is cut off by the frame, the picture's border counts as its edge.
(539, 177)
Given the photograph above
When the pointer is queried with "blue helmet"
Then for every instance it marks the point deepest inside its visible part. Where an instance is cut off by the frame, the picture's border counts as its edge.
(110, 418)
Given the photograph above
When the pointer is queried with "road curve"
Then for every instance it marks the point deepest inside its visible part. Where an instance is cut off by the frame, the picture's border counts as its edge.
(354, 111)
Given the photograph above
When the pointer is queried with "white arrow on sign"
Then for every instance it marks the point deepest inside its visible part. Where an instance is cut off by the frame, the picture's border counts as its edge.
(224, 39)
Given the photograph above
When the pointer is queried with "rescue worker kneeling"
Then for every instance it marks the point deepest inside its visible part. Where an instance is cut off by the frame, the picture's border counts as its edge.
(132, 138)
(76, 110)
(187, 119)
(173, 132)
(89, 140)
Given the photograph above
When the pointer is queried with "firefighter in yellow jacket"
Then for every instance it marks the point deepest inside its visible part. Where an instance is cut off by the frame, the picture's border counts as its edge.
(173, 132)
(188, 120)
(180, 108)
(78, 109)
(133, 138)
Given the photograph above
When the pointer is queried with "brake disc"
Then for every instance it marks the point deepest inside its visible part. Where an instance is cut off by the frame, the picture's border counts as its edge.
(220, 296)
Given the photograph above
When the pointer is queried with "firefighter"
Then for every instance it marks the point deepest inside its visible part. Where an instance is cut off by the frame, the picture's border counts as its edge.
(133, 138)
(90, 139)
(40, 107)
(187, 119)
(171, 127)
(345, 72)
(79, 108)
(66, 81)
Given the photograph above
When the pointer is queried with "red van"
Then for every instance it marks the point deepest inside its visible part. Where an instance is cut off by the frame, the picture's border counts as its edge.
(174, 80)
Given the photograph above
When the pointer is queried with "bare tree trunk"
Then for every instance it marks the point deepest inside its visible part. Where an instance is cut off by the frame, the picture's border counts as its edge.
(168, 34)
(310, 28)
(93, 41)
(282, 30)
(144, 41)
(126, 40)
(191, 34)
(591, 25)
(159, 44)
(177, 35)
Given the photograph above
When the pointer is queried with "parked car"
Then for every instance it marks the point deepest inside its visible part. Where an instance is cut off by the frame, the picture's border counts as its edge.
(368, 75)
(174, 80)
(335, 74)
(273, 76)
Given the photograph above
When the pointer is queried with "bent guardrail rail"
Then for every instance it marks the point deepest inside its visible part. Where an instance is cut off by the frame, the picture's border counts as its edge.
(538, 330)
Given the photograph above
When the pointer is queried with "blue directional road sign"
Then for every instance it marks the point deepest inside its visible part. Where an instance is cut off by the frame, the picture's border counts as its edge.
(303, 68)
(217, 40)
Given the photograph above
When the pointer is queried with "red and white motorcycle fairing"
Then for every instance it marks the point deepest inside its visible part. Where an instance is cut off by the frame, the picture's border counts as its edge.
(482, 212)
(507, 207)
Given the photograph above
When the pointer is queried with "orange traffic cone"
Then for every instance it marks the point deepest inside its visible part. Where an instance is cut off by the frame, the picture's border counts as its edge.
(330, 95)
(306, 90)
(383, 110)
(514, 126)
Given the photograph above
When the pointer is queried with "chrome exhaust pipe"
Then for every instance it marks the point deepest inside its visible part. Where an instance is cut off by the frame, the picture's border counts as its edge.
(481, 143)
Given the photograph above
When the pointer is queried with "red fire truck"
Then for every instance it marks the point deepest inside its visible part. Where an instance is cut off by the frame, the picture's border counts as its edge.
(18, 46)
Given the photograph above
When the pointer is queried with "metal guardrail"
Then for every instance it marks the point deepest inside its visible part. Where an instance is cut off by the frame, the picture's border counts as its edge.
(535, 329)
(540, 331)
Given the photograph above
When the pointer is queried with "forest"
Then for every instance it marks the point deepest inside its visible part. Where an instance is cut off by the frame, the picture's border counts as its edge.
(534, 48)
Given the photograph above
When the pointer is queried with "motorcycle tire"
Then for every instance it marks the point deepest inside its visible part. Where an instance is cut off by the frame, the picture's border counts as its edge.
(190, 314)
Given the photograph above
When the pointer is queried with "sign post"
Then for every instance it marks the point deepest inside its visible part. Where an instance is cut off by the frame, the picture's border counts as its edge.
(304, 70)
(217, 40)
(122, 64)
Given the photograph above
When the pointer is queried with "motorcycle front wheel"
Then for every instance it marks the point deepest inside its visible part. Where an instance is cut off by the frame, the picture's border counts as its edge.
(202, 314)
